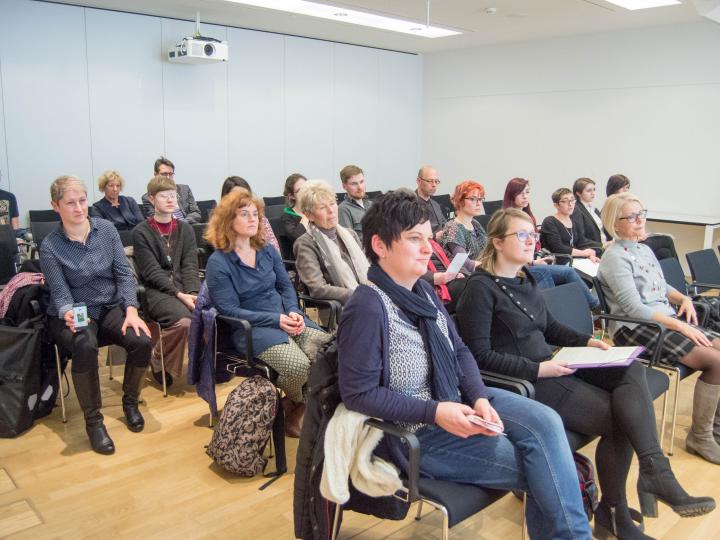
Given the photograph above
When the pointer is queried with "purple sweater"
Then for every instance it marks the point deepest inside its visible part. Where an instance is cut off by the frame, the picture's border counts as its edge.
(364, 372)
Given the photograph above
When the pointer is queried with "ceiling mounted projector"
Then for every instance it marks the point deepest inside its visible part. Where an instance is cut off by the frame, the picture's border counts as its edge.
(199, 50)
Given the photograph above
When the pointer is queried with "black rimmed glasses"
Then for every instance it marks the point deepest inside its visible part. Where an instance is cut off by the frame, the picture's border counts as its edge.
(475, 200)
(635, 216)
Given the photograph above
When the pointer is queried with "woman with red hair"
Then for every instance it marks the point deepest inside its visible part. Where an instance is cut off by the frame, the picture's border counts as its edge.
(463, 233)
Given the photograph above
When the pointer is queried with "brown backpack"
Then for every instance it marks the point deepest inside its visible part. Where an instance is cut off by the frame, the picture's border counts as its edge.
(245, 427)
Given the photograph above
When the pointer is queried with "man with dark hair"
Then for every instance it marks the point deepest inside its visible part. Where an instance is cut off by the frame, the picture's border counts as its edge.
(356, 203)
(427, 185)
(187, 209)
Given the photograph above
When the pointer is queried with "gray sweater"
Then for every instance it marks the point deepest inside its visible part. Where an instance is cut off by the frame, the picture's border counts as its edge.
(350, 214)
(633, 282)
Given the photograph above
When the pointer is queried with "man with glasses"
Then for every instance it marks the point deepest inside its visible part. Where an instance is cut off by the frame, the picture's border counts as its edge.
(187, 209)
(356, 202)
(427, 184)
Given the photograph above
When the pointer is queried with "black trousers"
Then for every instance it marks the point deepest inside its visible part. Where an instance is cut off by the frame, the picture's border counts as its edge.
(83, 344)
(614, 403)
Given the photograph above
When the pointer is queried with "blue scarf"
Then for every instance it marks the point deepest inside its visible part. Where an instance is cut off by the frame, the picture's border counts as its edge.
(423, 313)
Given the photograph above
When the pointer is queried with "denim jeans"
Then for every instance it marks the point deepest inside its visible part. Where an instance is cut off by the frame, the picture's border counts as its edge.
(548, 276)
(534, 457)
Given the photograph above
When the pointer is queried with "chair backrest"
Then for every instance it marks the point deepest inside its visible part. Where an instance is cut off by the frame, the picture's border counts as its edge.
(483, 219)
(662, 245)
(40, 229)
(597, 287)
(492, 206)
(285, 242)
(446, 205)
(567, 304)
(704, 266)
(274, 210)
(340, 196)
(43, 215)
(373, 194)
(126, 237)
(206, 208)
(674, 274)
(274, 201)
(8, 253)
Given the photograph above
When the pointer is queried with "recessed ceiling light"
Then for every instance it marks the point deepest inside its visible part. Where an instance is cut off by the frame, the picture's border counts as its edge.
(325, 11)
(643, 4)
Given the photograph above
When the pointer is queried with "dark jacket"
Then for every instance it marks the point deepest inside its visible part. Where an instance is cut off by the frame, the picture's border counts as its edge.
(124, 217)
(555, 237)
(507, 327)
(291, 224)
(581, 215)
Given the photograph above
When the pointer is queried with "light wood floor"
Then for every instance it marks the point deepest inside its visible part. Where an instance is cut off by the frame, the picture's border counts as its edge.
(161, 484)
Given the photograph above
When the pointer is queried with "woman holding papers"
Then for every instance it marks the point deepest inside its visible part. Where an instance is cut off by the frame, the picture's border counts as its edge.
(400, 358)
(634, 286)
(463, 233)
(512, 334)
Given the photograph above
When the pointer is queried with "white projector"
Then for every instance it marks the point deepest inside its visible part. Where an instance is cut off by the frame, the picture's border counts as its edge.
(199, 50)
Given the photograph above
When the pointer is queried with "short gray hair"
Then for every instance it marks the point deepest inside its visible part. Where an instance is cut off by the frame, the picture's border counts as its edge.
(64, 183)
(312, 192)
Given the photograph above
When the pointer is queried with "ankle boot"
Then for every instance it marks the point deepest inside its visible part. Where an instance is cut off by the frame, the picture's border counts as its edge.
(617, 522)
(87, 389)
(294, 421)
(700, 439)
(657, 481)
(132, 383)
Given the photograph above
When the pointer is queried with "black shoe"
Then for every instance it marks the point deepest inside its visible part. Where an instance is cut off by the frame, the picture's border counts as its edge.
(157, 375)
(132, 382)
(99, 439)
(657, 481)
(618, 522)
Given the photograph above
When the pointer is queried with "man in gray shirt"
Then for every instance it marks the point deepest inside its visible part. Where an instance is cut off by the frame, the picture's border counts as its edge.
(356, 203)
(427, 185)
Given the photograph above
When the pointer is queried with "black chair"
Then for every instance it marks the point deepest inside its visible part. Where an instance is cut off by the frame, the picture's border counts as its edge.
(705, 268)
(126, 237)
(274, 201)
(43, 215)
(9, 254)
(203, 247)
(483, 219)
(675, 277)
(373, 194)
(680, 371)
(492, 206)
(40, 229)
(446, 205)
(285, 242)
(206, 208)
(340, 196)
(274, 211)
(662, 246)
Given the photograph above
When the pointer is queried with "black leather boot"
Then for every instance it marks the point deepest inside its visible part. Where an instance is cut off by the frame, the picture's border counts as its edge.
(87, 389)
(617, 522)
(132, 383)
(657, 481)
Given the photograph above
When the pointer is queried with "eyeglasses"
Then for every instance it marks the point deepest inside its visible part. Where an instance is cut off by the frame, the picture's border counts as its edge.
(167, 174)
(523, 236)
(433, 181)
(475, 200)
(566, 201)
(635, 216)
(167, 195)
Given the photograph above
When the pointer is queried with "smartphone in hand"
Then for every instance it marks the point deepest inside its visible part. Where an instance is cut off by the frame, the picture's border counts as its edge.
(492, 426)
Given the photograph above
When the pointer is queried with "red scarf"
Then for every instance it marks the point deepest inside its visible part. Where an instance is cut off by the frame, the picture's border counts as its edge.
(441, 289)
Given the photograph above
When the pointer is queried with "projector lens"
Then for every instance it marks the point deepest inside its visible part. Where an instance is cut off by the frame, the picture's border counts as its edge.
(209, 49)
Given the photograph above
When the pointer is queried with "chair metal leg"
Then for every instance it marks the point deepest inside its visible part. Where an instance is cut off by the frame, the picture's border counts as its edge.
(162, 362)
(336, 522)
(446, 518)
(661, 435)
(523, 533)
(110, 362)
(60, 390)
(674, 414)
(419, 510)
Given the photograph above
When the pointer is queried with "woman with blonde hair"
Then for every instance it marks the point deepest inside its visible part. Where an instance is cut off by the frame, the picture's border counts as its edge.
(513, 333)
(634, 286)
(247, 279)
(121, 211)
(328, 257)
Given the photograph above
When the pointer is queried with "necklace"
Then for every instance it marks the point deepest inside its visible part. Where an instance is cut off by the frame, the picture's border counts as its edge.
(83, 238)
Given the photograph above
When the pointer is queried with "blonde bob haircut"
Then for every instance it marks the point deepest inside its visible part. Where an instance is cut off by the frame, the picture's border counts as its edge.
(314, 192)
(65, 183)
(497, 228)
(612, 210)
(220, 232)
(110, 176)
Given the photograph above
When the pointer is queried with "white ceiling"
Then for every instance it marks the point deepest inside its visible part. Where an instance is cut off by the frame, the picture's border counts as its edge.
(514, 20)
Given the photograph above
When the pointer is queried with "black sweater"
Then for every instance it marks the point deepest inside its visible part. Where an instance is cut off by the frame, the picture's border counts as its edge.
(506, 337)
(555, 237)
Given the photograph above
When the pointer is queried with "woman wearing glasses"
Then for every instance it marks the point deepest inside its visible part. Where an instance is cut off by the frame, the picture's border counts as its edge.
(513, 335)
(634, 286)
(560, 234)
(463, 233)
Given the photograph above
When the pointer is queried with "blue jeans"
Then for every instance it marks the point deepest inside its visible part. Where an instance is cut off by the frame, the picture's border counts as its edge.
(548, 276)
(534, 457)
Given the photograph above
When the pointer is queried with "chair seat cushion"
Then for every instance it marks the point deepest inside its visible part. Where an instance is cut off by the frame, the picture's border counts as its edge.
(460, 500)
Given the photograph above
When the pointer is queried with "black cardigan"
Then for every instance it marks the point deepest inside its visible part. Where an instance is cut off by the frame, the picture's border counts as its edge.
(581, 215)
(506, 337)
(555, 237)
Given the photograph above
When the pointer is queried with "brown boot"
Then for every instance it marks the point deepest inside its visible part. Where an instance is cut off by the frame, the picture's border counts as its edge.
(294, 421)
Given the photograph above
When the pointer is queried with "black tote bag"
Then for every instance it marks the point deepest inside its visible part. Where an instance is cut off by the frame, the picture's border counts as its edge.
(19, 378)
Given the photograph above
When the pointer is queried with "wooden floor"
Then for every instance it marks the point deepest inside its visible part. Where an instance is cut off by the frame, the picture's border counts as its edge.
(161, 484)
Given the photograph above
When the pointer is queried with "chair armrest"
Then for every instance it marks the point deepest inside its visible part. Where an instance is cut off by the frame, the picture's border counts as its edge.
(662, 330)
(512, 384)
(334, 306)
(700, 285)
(703, 312)
(247, 329)
(413, 445)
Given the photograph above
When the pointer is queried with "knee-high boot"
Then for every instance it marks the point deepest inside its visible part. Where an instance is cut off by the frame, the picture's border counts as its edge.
(700, 439)
(87, 389)
(132, 384)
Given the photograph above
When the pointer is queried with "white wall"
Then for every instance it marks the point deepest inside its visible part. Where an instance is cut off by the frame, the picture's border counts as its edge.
(85, 90)
(645, 103)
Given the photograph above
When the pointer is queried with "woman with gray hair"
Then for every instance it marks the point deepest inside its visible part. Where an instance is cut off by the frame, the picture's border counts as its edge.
(121, 211)
(329, 259)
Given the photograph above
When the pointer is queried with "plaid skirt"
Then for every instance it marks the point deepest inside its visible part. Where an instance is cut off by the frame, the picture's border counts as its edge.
(675, 346)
